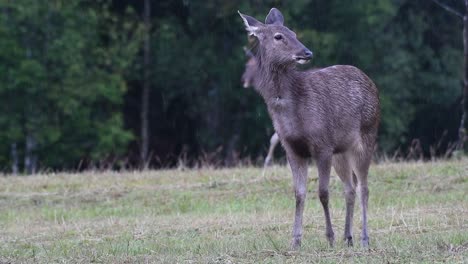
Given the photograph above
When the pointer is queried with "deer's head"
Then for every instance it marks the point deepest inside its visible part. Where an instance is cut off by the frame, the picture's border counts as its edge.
(278, 44)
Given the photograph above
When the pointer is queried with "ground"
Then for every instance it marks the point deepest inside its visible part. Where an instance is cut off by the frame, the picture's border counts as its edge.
(418, 212)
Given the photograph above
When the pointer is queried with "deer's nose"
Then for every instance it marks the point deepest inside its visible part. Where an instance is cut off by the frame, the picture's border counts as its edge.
(308, 53)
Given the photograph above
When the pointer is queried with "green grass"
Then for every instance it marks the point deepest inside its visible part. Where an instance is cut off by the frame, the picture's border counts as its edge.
(418, 213)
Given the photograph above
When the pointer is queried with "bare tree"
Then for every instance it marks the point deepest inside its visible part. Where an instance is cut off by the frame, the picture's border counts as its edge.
(13, 145)
(146, 86)
(464, 102)
(14, 159)
(30, 157)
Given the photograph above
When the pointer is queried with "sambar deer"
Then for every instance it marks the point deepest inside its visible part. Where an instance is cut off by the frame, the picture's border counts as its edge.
(331, 115)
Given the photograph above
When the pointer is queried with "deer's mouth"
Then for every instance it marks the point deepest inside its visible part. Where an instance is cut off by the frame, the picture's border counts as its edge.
(302, 59)
(303, 56)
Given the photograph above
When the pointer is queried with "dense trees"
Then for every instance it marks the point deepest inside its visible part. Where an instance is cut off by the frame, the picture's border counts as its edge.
(62, 82)
(74, 76)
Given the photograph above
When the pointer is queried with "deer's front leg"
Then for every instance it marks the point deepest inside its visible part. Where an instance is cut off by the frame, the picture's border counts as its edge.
(299, 171)
(324, 167)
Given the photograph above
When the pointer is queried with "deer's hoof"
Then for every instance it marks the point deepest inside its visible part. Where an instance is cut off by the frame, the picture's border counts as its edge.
(295, 244)
(349, 241)
(331, 239)
(365, 242)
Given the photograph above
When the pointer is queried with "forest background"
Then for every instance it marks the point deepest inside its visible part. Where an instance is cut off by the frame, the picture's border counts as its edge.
(124, 84)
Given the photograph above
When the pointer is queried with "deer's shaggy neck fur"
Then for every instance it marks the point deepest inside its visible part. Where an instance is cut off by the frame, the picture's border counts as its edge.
(276, 81)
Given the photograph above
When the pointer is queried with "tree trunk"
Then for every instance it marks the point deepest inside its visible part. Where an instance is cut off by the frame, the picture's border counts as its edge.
(146, 88)
(14, 159)
(464, 101)
(30, 157)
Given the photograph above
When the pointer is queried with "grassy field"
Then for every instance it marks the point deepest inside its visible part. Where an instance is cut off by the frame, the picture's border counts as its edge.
(418, 214)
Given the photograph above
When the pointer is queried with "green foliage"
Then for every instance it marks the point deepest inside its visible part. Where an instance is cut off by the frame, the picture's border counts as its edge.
(71, 74)
(64, 79)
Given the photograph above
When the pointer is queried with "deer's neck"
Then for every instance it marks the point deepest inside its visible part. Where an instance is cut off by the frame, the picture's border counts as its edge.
(277, 83)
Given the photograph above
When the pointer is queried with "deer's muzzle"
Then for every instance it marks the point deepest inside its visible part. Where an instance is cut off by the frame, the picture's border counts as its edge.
(303, 57)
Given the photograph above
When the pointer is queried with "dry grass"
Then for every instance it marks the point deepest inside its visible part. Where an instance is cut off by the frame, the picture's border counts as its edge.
(418, 214)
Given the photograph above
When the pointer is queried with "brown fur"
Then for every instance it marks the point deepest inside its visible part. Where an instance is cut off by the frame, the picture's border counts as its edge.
(331, 115)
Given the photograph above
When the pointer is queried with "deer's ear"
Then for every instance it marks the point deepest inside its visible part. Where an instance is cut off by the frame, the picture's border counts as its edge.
(274, 17)
(252, 25)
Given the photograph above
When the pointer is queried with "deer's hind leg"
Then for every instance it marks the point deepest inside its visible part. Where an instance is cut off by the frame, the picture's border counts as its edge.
(342, 166)
(360, 163)
(273, 143)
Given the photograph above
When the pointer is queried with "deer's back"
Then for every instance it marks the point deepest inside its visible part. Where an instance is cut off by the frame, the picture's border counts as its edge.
(347, 93)
(335, 107)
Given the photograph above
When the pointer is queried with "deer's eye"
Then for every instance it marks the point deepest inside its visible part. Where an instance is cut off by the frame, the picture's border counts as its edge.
(278, 36)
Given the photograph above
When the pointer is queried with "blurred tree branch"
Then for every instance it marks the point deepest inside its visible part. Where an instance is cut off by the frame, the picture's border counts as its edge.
(448, 8)
(464, 101)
